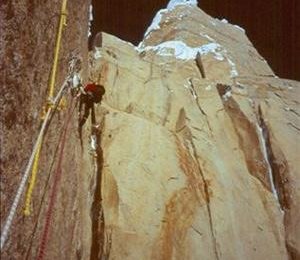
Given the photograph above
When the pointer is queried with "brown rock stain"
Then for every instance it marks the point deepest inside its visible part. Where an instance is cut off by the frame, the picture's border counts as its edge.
(180, 123)
(283, 180)
(110, 199)
(180, 210)
(179, 215)
(190, 169)
(281, 172)
(248, 139)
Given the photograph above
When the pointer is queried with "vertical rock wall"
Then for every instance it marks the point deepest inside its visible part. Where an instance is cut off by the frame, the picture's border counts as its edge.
(195, 151)
(28, 33)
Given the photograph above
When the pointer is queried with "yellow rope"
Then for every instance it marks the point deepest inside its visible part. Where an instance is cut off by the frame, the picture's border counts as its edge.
(62, 22)
(32, 181)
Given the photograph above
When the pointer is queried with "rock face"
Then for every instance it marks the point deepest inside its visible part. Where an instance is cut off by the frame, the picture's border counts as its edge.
(28, 32)
(197, 152)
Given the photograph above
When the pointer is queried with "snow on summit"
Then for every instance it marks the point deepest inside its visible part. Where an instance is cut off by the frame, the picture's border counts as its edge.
(156, 21)
(180, 49)
(174, 3)
(171, 5)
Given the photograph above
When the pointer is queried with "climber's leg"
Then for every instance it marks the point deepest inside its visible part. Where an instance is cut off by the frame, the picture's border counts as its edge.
(93, 116)
(82, 120)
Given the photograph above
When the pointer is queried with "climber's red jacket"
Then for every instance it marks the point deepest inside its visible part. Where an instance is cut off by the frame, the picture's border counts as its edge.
(91, 87)
(96, 90)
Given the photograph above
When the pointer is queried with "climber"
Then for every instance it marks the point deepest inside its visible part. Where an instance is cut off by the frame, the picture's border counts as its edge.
(89, 95)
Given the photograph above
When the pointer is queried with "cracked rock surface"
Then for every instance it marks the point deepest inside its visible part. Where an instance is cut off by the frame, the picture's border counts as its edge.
(197, 165)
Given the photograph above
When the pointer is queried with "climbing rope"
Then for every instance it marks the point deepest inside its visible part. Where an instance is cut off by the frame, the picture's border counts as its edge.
(62, 23)
(57, 177)
(32, 180)
(35, 155)
(43, 195)
(16, 201)
(48, 106)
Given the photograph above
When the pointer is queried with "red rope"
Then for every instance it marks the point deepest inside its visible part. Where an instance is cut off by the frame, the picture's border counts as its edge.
(57, 177)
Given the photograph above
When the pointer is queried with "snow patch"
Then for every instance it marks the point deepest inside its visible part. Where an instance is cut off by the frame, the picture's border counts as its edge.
(181, 51)
(234, 72)
(225, 21)
(214, 48)
(208, 87)
(97, 53)
(93, 142)
(227, 95)
(155, 22)
(155, 25)
(263, 145)
(207, 37)
(239, 27)
(174, 3)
